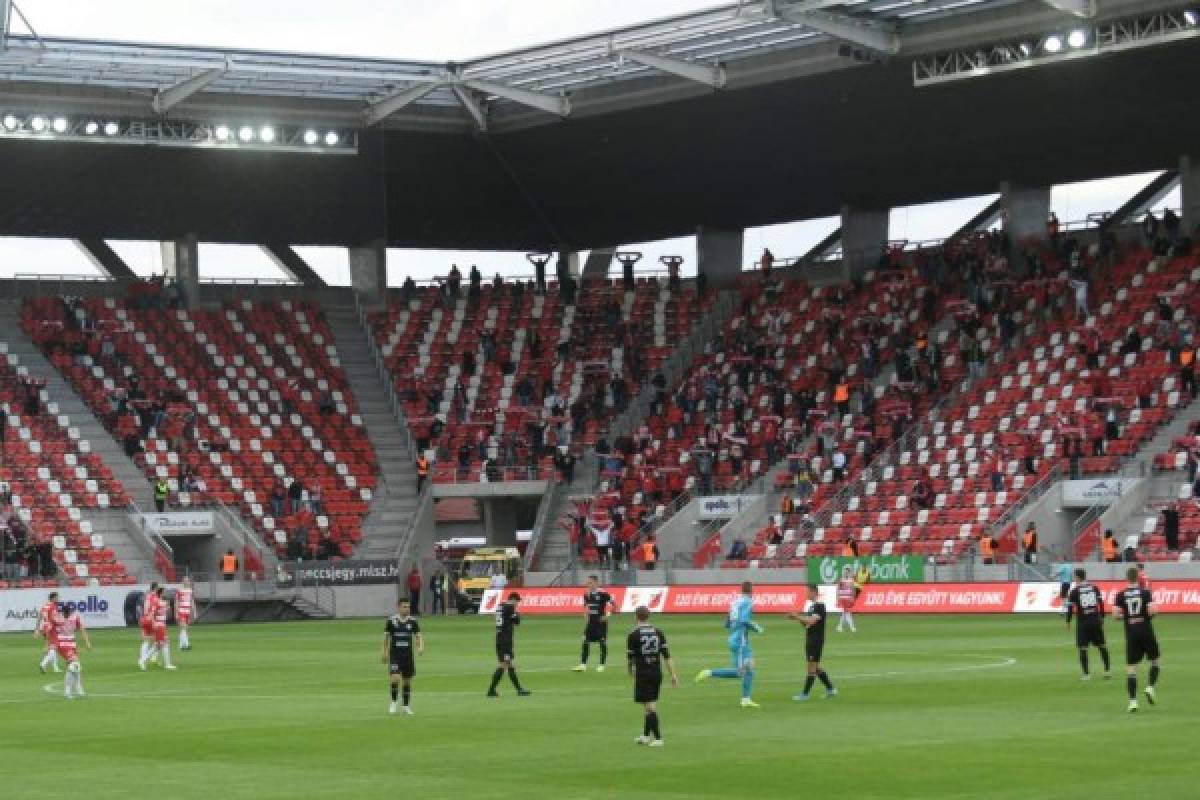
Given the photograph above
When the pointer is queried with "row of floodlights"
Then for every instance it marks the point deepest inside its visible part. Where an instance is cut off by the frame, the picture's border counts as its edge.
(246, 134)
(1078, 39)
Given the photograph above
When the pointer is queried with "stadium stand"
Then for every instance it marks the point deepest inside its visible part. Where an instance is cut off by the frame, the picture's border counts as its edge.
(493, 377)
(230, 406)
(48, 478)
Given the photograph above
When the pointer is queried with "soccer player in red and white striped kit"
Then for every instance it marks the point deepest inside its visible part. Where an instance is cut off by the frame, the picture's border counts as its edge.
(70, 624)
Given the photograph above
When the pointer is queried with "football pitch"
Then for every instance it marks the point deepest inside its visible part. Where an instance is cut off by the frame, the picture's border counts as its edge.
(929, 707)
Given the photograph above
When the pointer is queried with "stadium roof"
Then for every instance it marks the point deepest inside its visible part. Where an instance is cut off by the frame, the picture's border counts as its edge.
(696, 47)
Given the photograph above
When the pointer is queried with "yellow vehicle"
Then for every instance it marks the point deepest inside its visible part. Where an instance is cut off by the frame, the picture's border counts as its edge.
(481, 567)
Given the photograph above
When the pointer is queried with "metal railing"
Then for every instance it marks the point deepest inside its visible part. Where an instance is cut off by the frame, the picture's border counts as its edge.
(247, 540)
(404, 547)
(1028, 498)
(385, 378)
(1080, 525)
(148, 540)
(549, 500)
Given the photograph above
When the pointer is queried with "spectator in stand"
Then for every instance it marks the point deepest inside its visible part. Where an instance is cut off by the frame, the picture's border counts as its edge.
(738, 550)
(849, 548)
(454, 280)
(1150, 228)
(650, 552)
(1109, 549)
(278, 496)
(326, 404)
(766, 261)
(3, 431)
(920, 494)
(1171, 526)
(838, 462)
(316, 501)
(996, 470)
(1186, 359)
(295, 496)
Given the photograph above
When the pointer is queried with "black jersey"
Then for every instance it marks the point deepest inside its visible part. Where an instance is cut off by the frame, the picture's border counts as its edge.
(1134, 603)
(401, 633)
(815, 634)
(507, 618)
(597, 604)
(1087, 602)
(646, 647)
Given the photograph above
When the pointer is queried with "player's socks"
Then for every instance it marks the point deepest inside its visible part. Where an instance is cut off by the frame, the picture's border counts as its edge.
(724, 672)
(646, 726)
(747, 682)
(1153, 675)
(583, 656)
(46, 659)
(1083, 661)
(808, 683)
(496, 676)
(824, 678)
(1131, 686)
(652, 722)
(394, 691)
(407, 694)
(516, 682)
(1104, 658)
(184, 644)
(165, 651)
(603, 653)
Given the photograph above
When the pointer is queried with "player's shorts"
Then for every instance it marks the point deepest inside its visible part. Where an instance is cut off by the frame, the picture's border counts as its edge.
(740, 654)
(402, 665)
(1090, 633)
(147, 627)
(160, 634)
(504, 650)
(596, 631)
(646, 688)
(184, 618)
(813, 650)
(68, 652)
(1139, 646)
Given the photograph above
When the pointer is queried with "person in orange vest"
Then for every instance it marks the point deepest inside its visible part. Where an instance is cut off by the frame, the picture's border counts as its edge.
(229, 565)
(1109, 547)
(787, 505)
(1187, 370)
(987, 548)
(422, 471)
(1030, 543)
(650, 552)
(841, 396)
(850, 548)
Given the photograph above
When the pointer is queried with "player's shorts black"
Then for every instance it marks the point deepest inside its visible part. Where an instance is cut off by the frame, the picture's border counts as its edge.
(504, 650)
(1139, 646)
(1089, 633)
(596, 631)
(402, 664)
(646, 688)
(812, 651)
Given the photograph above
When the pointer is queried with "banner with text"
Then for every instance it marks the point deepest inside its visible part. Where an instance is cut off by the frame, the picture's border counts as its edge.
(339, 573)
(883, 569)
(99, 606)
(724, 506)
(924, 598)
(1095, 491)
(179, 523)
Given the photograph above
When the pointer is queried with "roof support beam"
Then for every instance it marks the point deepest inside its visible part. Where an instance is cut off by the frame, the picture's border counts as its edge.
(713, 76)
(5, 18)
(865, 34)
(471, 102)
(290, 262)
(105, 259)
(551, 104)
(166, 99)
(1144, 200)
(1080, 8)
(384, 108)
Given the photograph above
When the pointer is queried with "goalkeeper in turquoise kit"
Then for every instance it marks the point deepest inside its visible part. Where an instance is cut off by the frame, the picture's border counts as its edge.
(740, 625)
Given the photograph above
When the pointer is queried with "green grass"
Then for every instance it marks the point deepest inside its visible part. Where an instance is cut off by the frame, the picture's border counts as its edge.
(930, 707)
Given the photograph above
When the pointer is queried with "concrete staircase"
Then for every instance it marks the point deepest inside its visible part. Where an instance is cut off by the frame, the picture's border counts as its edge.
(63, 394)
(396, 495)
(114, 526)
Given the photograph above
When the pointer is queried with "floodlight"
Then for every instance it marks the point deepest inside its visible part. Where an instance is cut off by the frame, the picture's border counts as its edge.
(222, 133)
(1077, 39)
(1191, 17)
(246, 133)
(59, 125)
(11, 122)
(311, 137)
(267, 134)
(1052, 44)
(331, 138)
(111, 129)
(91, 127)
(38, 124)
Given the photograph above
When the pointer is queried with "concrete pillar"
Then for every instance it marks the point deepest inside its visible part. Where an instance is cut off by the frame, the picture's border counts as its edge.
(1026, 211)
(720, 254)
(1189, 190)
(181, 264)
(368, 271)
(864, 238)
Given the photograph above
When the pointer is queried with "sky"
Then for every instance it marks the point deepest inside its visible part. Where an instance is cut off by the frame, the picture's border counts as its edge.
(434, 30)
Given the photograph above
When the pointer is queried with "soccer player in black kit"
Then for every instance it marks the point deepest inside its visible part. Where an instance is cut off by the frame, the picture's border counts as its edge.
(814, 643)
(1135, 607)
(646, 649)
(401, 633)
(596, 603)
(507, 618)
(1086, 602)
